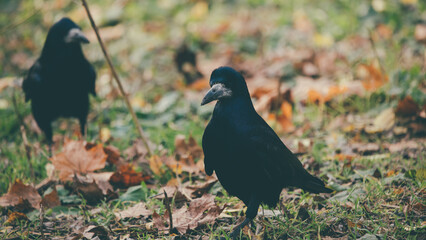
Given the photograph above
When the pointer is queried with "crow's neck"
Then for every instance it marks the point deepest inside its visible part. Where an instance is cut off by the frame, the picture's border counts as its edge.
(59, 52)
(238, 106)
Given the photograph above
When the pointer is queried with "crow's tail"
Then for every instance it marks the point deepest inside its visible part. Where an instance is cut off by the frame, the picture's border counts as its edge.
(315, 185)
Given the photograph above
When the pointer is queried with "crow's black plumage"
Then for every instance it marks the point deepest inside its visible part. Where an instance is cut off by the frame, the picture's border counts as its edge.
(250, 160)
(59, 82)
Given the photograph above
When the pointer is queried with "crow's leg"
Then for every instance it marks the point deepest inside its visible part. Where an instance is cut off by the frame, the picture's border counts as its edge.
(47, 129)
(251, 213)
(83, 128)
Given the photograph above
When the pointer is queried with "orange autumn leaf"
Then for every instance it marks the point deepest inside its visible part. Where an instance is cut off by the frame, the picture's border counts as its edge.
(390, 173)
(76, 158)
(334, 91)
(199, 84)
(315, 97)
(126, 177)
(371, 76)
(285, 118)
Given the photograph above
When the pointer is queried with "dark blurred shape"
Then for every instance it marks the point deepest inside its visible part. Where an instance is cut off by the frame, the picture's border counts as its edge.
(186, 63)
(59, 82)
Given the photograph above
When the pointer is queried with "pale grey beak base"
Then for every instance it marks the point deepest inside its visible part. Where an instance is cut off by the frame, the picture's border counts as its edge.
(76, 35)
(217, 92)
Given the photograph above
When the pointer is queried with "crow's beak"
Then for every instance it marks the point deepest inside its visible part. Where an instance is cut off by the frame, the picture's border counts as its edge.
(217, 92)
(76, 35)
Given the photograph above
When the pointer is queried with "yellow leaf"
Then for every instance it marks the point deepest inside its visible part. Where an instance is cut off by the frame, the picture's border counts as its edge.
(105, 134)
(199, 10)
(323, 40)
(383, 122)
(155, 165)
(378, 5)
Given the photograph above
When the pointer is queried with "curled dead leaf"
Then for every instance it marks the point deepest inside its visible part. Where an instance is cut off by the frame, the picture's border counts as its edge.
(201, 211)
(24, 197)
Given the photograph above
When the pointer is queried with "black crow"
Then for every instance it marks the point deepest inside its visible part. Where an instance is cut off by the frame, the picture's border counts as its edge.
(250, 160)
(60, 80)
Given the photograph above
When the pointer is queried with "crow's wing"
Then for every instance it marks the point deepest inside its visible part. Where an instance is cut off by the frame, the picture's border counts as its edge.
(277, 163)
(273, 158)
(91, 79)
(32, 81)
(212, 145)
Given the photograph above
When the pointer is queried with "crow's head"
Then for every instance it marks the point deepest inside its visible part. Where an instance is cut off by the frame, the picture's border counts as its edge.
(225, 83)
(66, 31)
(64, 37)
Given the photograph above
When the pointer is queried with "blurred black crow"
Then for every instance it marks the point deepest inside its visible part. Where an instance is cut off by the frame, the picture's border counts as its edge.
(60, 80)
(250, 160)
(186, 63)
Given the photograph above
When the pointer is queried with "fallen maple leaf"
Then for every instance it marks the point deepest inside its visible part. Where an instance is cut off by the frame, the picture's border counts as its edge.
(383, 122)
(24, 197)
(136, 211)
(76, 159)
(200, 211)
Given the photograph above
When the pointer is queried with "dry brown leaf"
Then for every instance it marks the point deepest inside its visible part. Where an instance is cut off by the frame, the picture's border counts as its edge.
(365, 149)
(94, 187)
(22, 196)
(136, 211)
(401, 146)
(179, 194)
(383, 122)
(137, 150)
(113, 155)
(198, 190)
(407, 107)
(200, 211)
(51, 200)
(420, 33)
(76, 159)
(126, 177)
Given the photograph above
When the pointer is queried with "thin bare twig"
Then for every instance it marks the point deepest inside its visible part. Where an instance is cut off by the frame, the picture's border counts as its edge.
(117, 79)
(169, 209)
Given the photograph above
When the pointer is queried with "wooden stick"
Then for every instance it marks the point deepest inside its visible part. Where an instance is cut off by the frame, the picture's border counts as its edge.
(117, 79)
